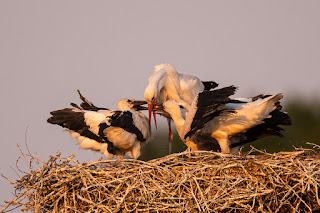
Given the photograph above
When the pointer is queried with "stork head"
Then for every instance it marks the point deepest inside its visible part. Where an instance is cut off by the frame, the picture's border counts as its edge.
(131, 104)
(154, 88)
(150, 94)
(163, 66)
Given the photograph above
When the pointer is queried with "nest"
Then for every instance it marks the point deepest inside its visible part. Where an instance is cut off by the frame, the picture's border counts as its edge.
(206, 182)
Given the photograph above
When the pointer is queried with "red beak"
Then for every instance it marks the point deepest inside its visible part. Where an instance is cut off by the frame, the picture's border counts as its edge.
(150, 109)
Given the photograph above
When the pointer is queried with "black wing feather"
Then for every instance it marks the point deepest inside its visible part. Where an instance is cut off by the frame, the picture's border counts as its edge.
(207, 106)
(87, 105)
(208, 85)
(268, 128)
(102, 127)
(72, 120)
(124, 120)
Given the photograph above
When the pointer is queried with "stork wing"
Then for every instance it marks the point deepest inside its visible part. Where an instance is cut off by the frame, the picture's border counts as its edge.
(87, 105)
(124, 120)
(207, 106)
(208, 85)
(267, 128)
(72, 120)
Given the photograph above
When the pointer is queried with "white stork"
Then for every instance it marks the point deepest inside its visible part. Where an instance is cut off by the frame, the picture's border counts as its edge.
(112, 132)
(216, 122)
(167, 84)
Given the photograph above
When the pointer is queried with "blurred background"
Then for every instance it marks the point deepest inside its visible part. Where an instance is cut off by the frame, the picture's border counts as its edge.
(108, 49)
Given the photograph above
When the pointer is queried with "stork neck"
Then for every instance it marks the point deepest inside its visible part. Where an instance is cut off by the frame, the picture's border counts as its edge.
(177, 119)
(158, 80)
(156, 83)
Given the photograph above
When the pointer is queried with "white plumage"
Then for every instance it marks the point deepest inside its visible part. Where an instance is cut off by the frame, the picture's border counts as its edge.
(167, 84)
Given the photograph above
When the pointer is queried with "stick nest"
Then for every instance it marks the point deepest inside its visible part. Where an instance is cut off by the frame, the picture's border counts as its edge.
(206, 182)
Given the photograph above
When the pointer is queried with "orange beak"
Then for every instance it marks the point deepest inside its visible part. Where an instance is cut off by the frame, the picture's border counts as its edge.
(150, 109)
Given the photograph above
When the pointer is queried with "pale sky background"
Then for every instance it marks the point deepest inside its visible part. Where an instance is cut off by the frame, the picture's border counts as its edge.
(107, 49)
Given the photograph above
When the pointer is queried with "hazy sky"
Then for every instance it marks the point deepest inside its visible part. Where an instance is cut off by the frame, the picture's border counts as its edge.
(107, 49)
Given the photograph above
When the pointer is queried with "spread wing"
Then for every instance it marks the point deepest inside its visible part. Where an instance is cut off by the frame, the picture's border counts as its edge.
(269, 127)
(207, 107)
(73, 120)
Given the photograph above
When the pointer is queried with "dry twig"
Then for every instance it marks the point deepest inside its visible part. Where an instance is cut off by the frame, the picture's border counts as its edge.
(208, 182)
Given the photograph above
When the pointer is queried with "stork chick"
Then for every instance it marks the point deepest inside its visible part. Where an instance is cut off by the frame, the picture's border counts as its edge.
(112, 132)
(214, 121)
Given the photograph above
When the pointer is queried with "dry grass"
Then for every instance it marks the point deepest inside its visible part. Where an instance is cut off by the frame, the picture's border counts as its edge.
(208, 182)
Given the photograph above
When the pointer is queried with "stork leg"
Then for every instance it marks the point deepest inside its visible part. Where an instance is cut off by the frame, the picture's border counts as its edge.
(191, 147)
(120, 157)
(170, 137)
